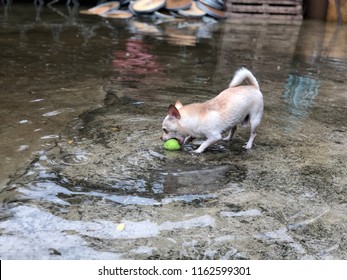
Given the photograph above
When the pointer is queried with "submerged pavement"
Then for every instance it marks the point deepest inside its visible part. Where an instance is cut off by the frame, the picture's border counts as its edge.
(106, 189)
(284, 199)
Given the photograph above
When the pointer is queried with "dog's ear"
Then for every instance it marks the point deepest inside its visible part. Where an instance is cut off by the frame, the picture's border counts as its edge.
(178, 104)
(173, 112)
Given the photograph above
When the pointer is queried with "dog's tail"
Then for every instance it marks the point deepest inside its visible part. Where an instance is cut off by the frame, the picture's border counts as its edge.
(241, 75)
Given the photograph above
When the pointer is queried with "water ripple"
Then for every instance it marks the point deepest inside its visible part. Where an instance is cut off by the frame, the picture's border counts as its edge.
(75, 159)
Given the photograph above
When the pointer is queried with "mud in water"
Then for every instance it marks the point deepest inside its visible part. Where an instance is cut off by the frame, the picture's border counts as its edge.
(283, 199)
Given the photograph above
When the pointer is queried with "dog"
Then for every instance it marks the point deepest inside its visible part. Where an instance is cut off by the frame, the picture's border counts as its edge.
(238, 104)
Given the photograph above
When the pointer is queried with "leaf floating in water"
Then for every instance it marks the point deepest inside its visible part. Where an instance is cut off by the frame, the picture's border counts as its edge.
(36, 100)
(52, 136)
(53, 113)
(22, 148)
(120, 227)
(77, 158)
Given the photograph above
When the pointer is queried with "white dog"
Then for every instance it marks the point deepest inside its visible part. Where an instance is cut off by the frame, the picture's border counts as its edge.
(237, 104)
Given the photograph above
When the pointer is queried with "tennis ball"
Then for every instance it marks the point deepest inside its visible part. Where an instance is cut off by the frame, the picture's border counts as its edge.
(172, 145)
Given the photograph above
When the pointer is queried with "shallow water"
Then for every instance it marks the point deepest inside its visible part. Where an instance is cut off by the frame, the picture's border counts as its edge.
(82, 101)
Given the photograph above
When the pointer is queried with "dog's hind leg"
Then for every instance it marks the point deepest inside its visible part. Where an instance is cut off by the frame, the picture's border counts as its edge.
(254, 122)
(211, 139)
(250, 141)
(245, 121)
(231, 134)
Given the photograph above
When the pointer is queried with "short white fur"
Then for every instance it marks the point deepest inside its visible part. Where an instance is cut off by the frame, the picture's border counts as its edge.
(238, 104)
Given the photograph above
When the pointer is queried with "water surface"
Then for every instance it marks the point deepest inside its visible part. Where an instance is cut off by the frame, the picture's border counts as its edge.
(82, 101)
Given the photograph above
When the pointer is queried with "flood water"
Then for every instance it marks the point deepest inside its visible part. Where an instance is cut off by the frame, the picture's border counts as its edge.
(83, 172)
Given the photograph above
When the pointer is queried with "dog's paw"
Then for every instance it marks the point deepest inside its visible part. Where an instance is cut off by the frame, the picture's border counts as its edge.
(196, 151)
(247, 146)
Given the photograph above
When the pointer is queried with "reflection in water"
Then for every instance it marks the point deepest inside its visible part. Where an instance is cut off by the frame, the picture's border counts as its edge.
(32, 225)
(49, 74)
(135, 61)
(157, 188)
(299, 96)
(63, 238)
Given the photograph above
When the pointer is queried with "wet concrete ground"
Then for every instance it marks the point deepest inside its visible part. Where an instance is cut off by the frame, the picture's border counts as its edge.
(284, 199)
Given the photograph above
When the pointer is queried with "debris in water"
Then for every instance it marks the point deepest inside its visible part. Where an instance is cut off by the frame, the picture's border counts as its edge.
(120, 227)
(160, 8)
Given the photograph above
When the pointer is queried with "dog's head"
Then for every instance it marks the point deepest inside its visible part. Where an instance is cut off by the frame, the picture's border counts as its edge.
(171, 126)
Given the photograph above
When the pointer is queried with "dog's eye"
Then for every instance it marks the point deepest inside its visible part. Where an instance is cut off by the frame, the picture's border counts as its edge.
(165, 131)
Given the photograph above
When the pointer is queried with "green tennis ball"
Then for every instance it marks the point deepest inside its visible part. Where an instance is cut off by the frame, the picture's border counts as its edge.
(172, 145)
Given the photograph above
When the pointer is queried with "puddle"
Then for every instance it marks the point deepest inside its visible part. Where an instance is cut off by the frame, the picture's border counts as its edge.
(81, 152)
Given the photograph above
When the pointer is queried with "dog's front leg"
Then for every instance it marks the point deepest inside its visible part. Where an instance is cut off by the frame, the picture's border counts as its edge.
(188, 139)
(207, 143)
(231, 134)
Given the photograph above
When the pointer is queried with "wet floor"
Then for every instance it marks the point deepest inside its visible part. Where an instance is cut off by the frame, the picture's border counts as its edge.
(83, 173)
